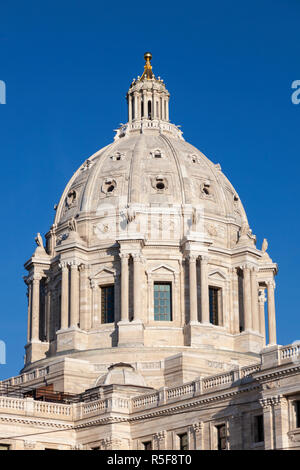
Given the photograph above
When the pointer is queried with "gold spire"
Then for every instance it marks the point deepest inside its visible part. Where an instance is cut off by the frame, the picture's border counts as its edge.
(148, 74)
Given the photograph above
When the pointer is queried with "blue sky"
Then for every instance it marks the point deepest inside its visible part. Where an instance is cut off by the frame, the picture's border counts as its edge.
(229, 67)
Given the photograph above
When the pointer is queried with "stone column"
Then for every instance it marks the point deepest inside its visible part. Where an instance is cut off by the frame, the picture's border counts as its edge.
(247, 297)
(266, 404)
(124, 286)
(271, 312)
(29, 293)
(137, 280)
(254, 299)
(136, 113)
(197, 429)
(281, 422)
(167, 109)
(261, 302)
(193, 289)
(130, 108)
(160, 440)
(74, 297)
(35, 316)
(204, 290)
(85, 317)
(64, 309)
(235, 302)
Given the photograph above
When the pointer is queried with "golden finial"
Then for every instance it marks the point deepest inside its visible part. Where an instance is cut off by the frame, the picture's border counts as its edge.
(148, 74)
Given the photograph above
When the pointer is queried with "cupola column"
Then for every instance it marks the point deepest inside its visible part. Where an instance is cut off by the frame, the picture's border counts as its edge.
(204, 290)
(29, 293)
(254, 299)
(137, 280)
(247, 297)
(193, 288)
(130, 109)
(64, 296)
(74, 297)
(271, 312)
(124, 286)
(261, 302)
(35, 308)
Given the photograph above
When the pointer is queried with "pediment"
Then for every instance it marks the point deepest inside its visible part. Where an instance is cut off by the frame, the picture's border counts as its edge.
(217, 275)
(162, 269)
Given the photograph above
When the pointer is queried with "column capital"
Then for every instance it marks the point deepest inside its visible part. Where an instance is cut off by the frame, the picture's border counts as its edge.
(271, 284)
(161, 435)
(197, 427)
(246, 266)
(124, 256)
(204, 259)
(74, 264)
(83, 267)
(192, 258)
(63, 265)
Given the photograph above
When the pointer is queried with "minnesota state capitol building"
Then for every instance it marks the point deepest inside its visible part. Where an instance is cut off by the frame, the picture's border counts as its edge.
(151, 311)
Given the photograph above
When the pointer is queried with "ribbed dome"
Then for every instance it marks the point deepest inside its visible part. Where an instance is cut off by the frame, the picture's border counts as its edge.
(150, 169)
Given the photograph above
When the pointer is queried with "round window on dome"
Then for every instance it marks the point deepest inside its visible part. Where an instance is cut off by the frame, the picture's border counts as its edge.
(160, 185)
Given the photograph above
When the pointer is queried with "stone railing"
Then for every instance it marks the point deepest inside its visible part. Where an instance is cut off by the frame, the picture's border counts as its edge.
(290, 352)
(145, 401)
(24, 378)
(17, 404)
(94, 407)
(218, 380)
(52, 409)
(182, 390)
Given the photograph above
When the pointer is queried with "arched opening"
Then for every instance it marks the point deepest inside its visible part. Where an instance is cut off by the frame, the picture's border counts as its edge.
(142, 108)
(149, 109)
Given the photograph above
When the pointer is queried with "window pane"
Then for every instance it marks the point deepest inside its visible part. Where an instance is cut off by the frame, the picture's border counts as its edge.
(258, 428)
(162, 302)
(183, 439)
(214, 305)
(107, 304)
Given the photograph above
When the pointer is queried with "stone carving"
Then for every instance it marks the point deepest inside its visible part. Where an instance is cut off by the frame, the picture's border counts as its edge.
(130, 214)
(71, 198)
(109, 186)
(264, 245)
(118, 156)
(87, 165)
(206, 190)
(245, 235)
(159, 183)
(39, 240)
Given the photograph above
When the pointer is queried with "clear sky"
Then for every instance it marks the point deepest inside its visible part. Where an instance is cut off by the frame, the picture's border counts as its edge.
(228, 65)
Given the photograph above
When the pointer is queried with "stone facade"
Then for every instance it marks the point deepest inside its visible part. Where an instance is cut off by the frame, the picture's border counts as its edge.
(146, 306)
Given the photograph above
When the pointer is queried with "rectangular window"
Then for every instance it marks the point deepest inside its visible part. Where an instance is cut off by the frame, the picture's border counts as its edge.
(222, 439)
(214, 305)
(183, 441)
(259, 428)
(108, 304)
(298, 414)
(162, 301)
(147, 445)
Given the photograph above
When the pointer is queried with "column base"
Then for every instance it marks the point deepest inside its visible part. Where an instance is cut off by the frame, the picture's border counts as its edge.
(71, 338)
(130, 333)
(35, 350)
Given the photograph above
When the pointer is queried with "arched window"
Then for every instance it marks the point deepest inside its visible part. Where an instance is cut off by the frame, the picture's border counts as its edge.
(149, 109)
(132, 109)
(157, 110)
(142, 108)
